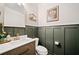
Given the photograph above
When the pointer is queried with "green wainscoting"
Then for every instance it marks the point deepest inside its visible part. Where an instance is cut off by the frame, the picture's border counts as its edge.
(49, 40)
(14, 30)
(9, 30)
(41, 35)
(35, 31)
(59, 36)
(72, 40)
(48, 35)
(67, 35)
(31, 31)
(21, 31)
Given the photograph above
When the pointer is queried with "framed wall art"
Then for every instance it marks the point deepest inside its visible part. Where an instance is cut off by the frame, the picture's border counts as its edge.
(53, 14)
(32, 17)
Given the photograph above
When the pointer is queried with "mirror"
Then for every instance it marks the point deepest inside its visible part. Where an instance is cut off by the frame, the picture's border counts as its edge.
(5, 14)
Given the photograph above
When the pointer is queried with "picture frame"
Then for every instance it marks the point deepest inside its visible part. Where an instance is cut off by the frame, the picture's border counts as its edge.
(53, 14)
(32, 17)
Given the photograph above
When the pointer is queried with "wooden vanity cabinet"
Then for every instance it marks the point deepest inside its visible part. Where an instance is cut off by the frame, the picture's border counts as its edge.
(27, 49)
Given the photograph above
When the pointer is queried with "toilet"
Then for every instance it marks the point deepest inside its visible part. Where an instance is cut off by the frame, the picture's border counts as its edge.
(40, 50)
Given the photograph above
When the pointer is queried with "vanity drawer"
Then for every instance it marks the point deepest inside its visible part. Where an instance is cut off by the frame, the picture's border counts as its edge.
(27, 49)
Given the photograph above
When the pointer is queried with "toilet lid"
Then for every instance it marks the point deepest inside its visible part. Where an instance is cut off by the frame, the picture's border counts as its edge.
(41, 49)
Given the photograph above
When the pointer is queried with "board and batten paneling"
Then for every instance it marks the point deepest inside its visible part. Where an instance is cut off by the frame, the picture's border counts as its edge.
(48, 36)
(29, 31)
(59, 37)
(41, 35)
(49, 39)
(67, 35)
(9, 30)
(14, 30)
(72, 40)
(35, 32)
(18, 30)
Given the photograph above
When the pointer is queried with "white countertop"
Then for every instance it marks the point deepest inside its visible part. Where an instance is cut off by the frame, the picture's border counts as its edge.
(14, 44)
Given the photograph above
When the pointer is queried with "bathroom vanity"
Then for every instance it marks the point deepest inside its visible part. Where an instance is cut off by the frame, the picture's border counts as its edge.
(18, 47)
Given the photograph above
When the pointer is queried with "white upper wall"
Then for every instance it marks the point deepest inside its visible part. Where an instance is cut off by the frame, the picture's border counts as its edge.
(15, 15)
(68, 14)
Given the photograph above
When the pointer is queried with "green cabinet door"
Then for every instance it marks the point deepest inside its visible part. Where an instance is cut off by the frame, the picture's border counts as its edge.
(71, 40)
(49, 39)
(59, 37)
(41, 35)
